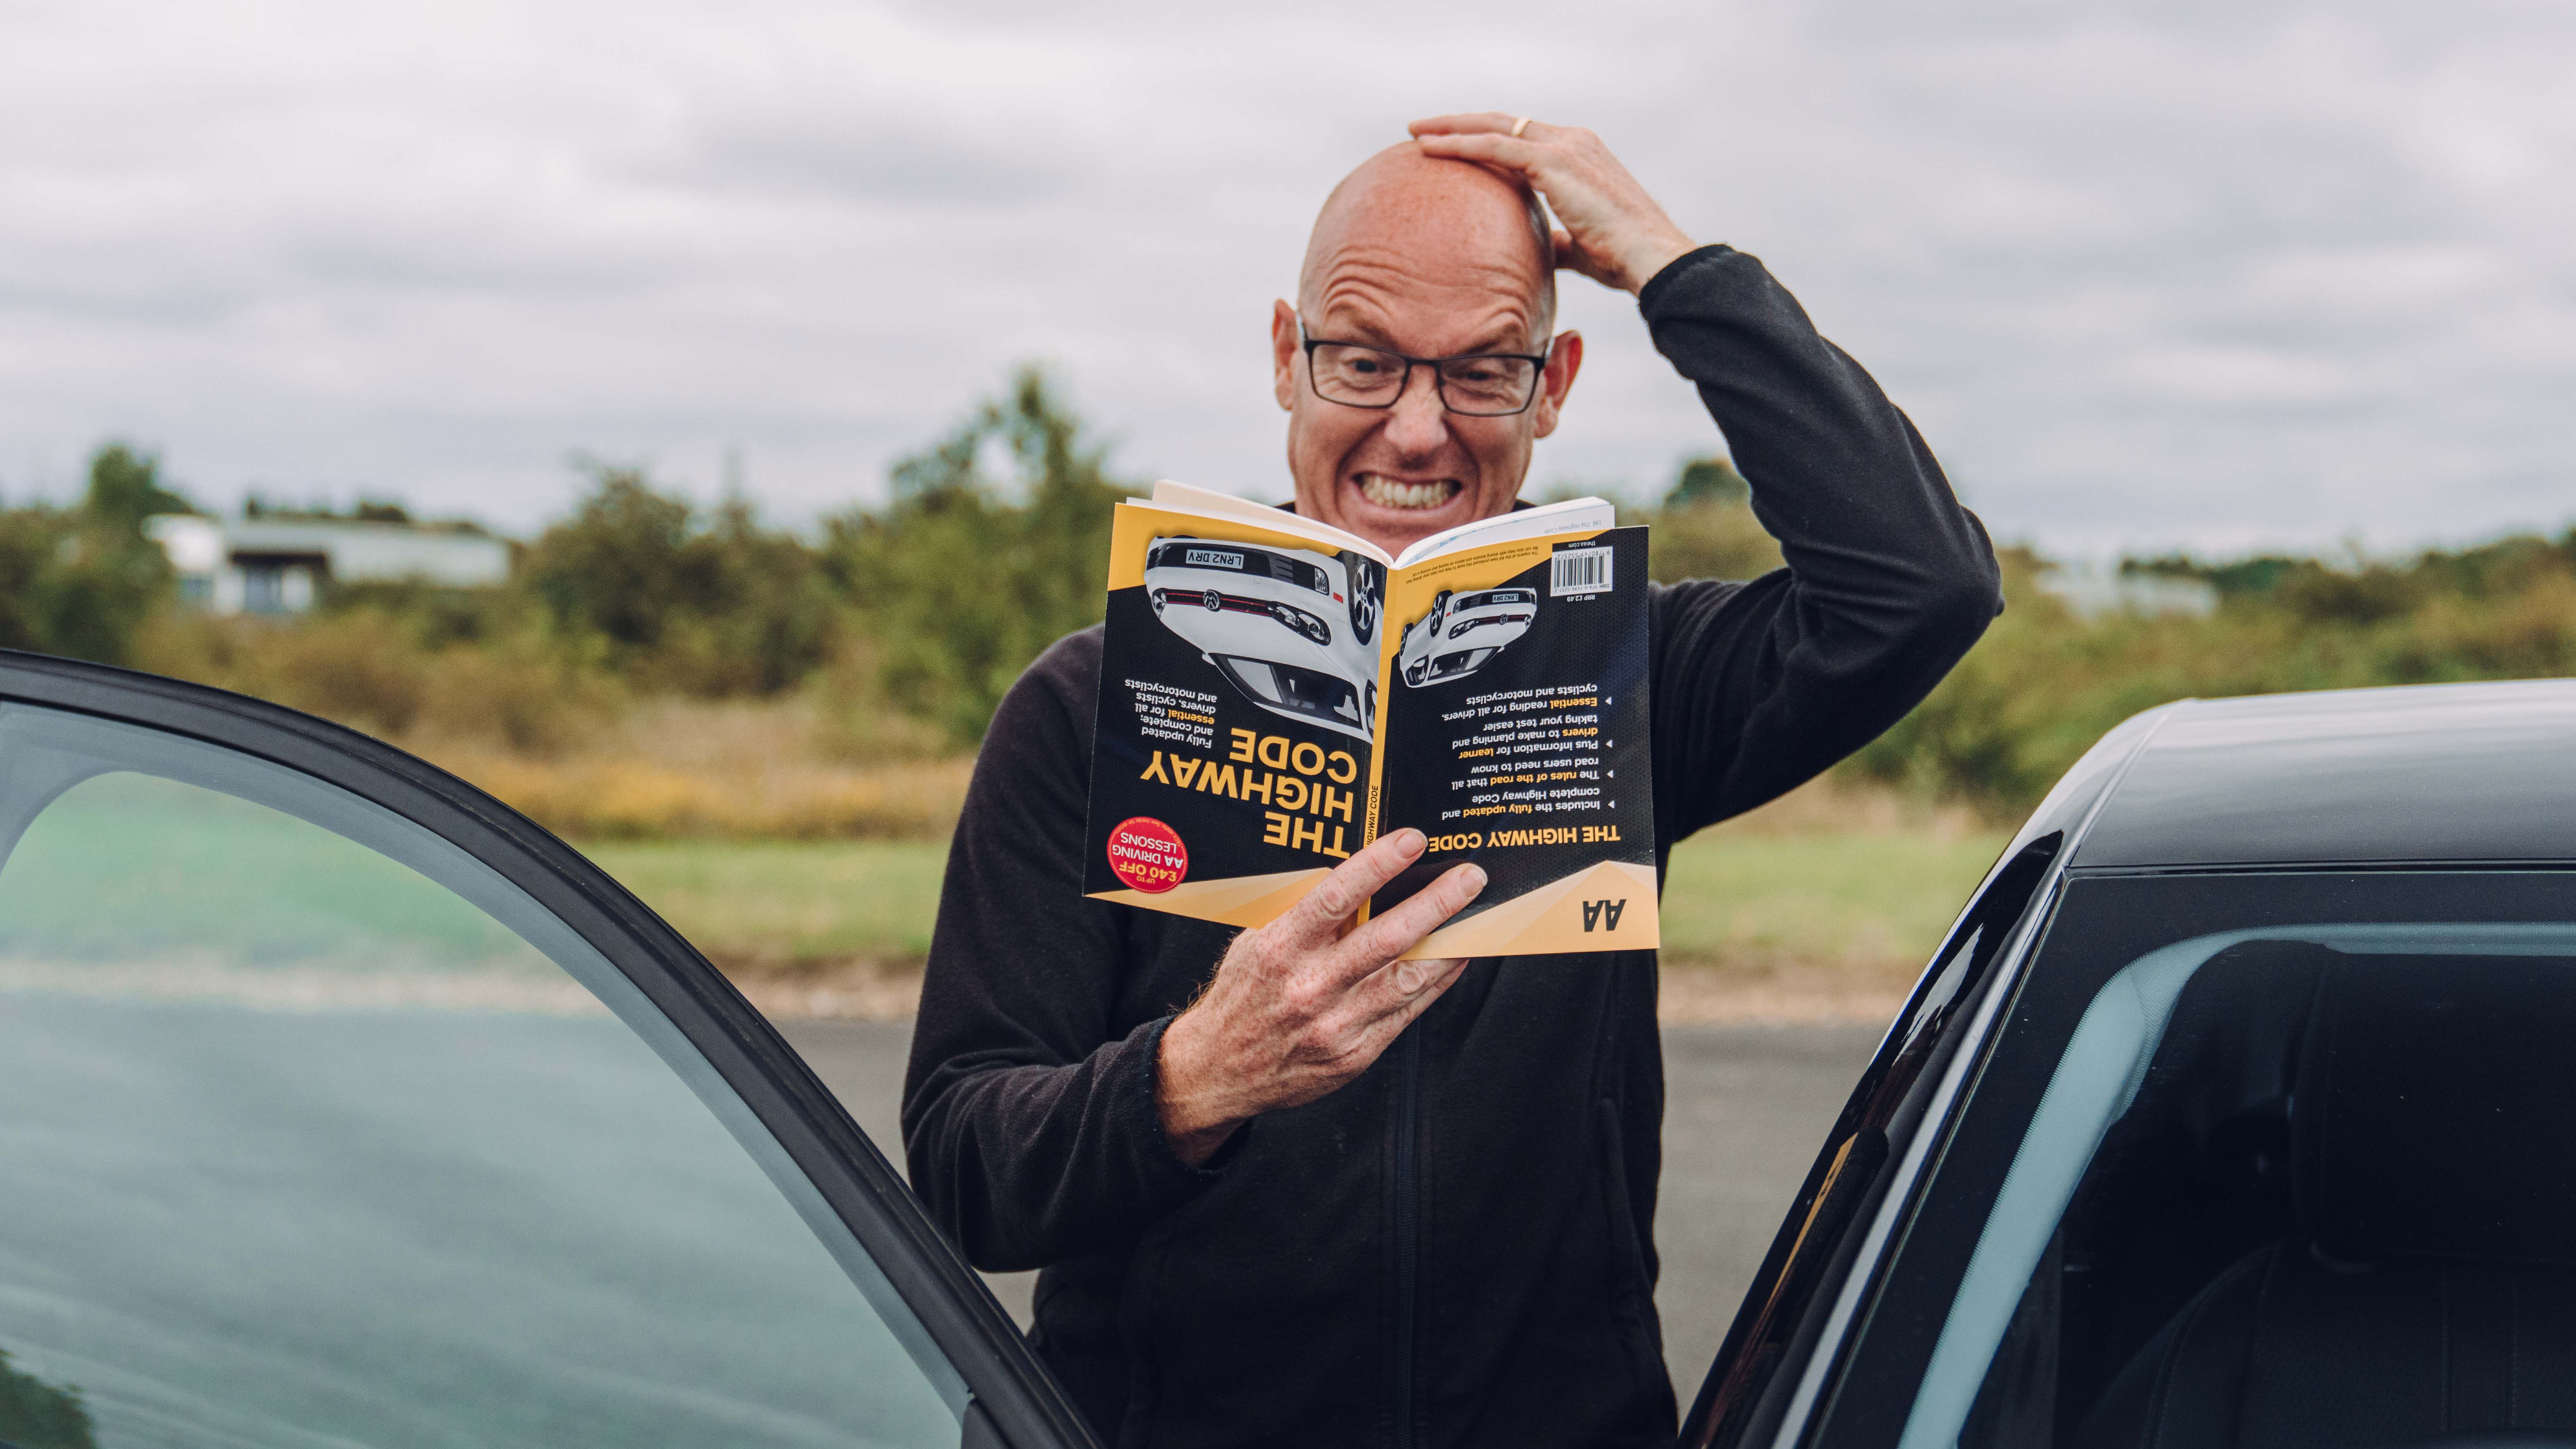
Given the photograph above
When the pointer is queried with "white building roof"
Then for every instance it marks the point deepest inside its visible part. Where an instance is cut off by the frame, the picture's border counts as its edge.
(348, 552)
(2089, 592)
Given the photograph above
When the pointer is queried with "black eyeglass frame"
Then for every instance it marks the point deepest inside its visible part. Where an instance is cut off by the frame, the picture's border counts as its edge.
(1439, 384)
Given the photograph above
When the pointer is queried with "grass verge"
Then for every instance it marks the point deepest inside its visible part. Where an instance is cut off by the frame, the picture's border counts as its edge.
(1818, 909)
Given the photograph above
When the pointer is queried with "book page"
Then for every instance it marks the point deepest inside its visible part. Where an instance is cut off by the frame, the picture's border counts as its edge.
(1183, 497)
(1239, 692)
(1515, 736)
(1575, 515)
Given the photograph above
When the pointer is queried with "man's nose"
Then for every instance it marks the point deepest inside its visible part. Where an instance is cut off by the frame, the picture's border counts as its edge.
(1418, 424)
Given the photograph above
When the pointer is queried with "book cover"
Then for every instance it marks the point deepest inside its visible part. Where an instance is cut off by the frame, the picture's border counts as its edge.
(1275, 693)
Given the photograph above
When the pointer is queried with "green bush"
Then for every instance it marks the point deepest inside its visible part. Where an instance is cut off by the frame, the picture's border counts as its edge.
(1708, 538)
(35, 1414)
(2042, 686)
(958, 585)
(714, 608)
(371, 670)
(82, 581)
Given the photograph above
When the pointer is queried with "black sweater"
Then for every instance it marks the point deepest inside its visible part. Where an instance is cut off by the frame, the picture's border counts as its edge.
(1457, 1247)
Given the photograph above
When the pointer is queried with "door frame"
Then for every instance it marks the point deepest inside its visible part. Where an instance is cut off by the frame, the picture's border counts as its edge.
(1014, 1392)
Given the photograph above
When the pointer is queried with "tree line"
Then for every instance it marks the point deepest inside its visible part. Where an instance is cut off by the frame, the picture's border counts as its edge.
(923, 608)
(907, 620)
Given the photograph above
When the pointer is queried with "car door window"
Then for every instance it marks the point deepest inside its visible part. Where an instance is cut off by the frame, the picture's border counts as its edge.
(2200, 1113)
(2250, 1150)
(320, 1131)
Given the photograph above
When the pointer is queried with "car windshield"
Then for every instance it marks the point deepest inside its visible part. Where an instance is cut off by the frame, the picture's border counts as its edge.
(2288, 1180)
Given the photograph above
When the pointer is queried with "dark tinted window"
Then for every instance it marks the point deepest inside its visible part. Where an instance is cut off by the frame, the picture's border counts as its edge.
(2294, 1174)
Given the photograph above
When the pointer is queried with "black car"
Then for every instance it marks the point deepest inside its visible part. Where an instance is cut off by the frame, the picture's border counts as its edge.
(341, 1105)
(2239, 1109)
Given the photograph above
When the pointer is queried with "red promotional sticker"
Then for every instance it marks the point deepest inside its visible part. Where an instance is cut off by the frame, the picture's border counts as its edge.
(1147, 855)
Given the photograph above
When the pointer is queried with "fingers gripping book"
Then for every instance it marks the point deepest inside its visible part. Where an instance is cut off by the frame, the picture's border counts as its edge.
(1275, 693)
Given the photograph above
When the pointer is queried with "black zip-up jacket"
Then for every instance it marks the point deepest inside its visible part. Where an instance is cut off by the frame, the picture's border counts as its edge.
(1457, 1247)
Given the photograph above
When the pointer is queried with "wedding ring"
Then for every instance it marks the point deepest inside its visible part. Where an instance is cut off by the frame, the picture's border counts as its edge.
(1519, 126)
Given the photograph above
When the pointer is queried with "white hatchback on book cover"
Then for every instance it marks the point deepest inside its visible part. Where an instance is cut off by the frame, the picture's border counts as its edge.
(1293, 629)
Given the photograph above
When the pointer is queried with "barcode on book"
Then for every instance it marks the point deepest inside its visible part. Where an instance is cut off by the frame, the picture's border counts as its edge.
(1578, 571)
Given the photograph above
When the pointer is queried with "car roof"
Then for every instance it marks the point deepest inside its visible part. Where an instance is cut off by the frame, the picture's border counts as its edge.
(2421, 773)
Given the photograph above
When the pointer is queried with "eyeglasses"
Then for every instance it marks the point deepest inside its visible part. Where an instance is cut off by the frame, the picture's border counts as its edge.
(1479, 385)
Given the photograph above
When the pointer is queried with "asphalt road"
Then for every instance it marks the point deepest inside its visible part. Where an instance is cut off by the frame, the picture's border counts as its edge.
(1746, 1109)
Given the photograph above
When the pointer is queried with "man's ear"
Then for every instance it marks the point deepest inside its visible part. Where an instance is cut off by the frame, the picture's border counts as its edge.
(1564, 360)
(1283, 354)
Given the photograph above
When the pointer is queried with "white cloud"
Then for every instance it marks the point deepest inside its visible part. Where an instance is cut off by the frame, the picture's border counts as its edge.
(2206, 274)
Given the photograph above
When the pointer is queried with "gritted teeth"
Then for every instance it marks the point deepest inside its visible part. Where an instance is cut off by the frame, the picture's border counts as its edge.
(1388, 493)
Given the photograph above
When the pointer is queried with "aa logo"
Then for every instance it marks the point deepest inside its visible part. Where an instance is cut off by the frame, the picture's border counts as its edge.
(1595, 913)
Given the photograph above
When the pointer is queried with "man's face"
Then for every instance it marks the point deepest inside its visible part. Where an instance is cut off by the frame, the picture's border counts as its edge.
(1430, 259)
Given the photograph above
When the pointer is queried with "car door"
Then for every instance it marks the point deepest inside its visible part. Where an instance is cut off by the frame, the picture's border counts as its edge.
(339, 1104)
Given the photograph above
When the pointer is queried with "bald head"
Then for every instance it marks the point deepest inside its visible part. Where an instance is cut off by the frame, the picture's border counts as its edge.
(1453, 226)
(1428, 258)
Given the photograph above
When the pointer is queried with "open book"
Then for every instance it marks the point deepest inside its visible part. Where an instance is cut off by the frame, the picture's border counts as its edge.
(1275, 693)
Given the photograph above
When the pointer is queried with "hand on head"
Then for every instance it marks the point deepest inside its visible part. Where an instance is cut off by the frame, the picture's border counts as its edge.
(1609, 229)
(1302, 1005)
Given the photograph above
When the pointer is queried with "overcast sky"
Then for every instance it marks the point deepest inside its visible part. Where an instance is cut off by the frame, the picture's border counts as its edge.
(2206, 274)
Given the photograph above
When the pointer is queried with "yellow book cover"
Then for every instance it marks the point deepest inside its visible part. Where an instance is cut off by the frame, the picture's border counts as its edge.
(1275, 693)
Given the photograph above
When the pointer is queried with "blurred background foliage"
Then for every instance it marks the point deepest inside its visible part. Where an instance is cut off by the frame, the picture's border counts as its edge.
(964, 578)
(2044, 684)
(83, 581)
(657, 668)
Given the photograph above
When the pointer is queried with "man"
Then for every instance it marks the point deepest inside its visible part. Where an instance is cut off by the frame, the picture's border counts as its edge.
(1285, 1189)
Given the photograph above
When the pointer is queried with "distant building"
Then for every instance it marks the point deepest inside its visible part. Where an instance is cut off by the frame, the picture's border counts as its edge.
(278, 566)
(2089, 592)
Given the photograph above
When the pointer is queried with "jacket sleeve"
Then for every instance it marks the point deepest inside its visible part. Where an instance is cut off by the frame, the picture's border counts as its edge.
(1029, 1120)
(1761, 686)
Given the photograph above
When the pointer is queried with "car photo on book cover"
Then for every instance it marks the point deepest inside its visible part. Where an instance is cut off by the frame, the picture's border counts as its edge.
(1292, 629)
(1463, 632)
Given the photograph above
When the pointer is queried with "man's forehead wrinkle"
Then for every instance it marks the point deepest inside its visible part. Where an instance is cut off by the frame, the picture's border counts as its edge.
(1433, 238)
(1383, 263)
(1423, 215)
(1433, 311)
(1386, 294)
